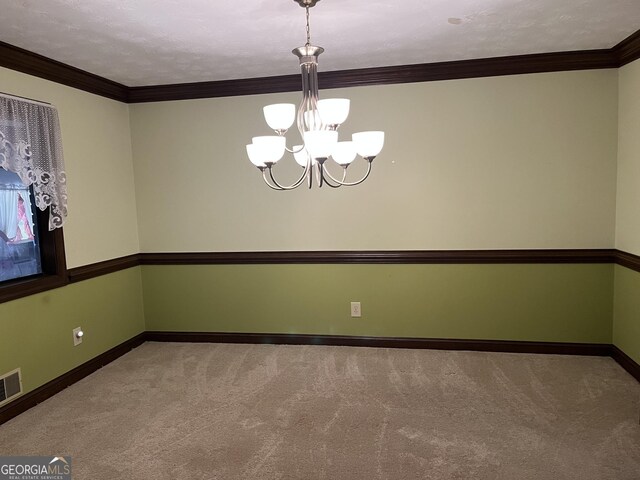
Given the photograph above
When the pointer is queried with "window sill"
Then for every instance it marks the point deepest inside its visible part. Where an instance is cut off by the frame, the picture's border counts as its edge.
(54, 266)
(23, 288)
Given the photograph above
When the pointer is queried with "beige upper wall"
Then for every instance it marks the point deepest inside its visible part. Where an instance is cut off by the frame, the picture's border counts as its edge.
(526, 161)
(96, 139)
(628, 203)
(522, 161)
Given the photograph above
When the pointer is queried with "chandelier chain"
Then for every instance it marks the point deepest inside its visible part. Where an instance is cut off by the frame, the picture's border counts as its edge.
(308, 29)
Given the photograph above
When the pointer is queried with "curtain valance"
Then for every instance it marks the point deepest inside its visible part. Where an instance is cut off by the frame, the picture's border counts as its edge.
(31, 146)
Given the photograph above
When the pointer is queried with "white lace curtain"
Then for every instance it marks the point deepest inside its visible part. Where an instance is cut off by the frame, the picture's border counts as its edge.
(31, 146)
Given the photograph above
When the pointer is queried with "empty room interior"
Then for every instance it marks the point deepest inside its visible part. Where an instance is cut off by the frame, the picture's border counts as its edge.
(466, 305)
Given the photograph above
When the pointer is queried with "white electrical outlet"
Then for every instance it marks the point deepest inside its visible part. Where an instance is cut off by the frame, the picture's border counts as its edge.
(77, 336)
(356, 311)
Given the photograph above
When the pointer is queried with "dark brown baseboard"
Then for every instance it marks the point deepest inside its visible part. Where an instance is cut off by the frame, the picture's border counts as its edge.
(40, 394)
(626, 362)
(596, 349)
(505, 346)
(49, 389)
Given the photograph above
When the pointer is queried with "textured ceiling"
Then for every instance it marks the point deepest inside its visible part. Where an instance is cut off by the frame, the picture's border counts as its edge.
(151, 42)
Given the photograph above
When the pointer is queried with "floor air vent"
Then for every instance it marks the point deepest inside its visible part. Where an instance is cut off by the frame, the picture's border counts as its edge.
(10, 386)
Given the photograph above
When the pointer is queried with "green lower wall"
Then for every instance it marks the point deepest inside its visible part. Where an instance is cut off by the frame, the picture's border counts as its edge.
(36, 331)
(626, 312)
(553, 303)
(549, 303)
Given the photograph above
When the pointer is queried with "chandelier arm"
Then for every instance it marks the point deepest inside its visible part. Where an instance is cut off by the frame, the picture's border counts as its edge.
(282, 133)
(309, 103)
(321, 173)
(303, 104)
(296, 184)
(326, 180)
(350, 184)
(321, 180)
(313, 84)
(291, 150)
(328, 173)
(264, 177)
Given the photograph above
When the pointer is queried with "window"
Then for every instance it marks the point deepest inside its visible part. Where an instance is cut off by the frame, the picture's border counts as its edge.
(33, 198)
(33, 259)
(19, 247)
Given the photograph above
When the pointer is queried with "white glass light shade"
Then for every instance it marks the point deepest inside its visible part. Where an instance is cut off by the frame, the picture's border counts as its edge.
(344, 153)
(320, 143)
(271, 148)
(368, 144)
(254, 154)
(280, 116)
(334, 111)
(300, 155)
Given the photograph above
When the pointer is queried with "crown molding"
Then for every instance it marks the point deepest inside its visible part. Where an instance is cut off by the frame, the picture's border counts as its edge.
(425, 72)
(220, 88)
(628, 49)
(31, 63)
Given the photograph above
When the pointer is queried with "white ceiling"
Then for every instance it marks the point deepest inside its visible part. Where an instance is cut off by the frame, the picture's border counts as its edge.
(151, 42)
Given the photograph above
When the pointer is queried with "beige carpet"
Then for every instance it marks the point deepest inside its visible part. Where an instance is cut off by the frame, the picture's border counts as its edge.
(203, 411)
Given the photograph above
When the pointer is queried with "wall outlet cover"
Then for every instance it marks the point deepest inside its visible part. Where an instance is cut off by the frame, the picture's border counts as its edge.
(77, 339)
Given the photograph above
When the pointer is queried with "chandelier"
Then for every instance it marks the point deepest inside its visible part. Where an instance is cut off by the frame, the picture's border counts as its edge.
(318, 122)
